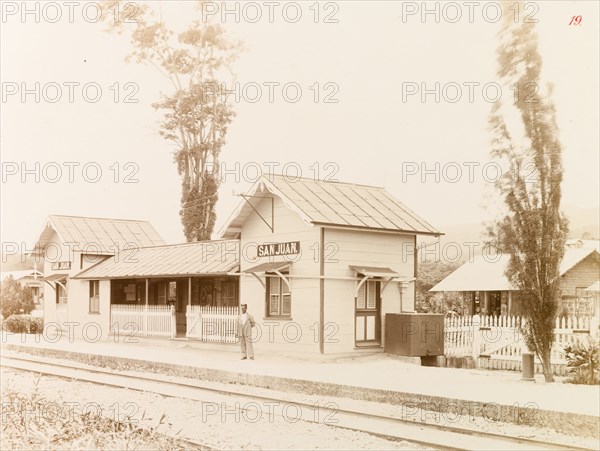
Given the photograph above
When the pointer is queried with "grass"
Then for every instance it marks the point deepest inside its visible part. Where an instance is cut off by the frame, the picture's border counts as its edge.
(32, 422)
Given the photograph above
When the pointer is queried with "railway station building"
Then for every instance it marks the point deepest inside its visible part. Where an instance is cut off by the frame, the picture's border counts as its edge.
(318, 263)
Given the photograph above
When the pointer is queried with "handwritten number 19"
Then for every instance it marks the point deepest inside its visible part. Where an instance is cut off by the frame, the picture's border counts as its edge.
(576, 20)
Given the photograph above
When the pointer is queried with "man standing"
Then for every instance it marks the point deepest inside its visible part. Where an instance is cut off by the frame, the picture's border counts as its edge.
(245, 325)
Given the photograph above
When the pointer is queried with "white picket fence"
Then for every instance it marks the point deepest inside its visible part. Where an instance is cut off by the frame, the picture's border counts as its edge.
(496, 341)
(214, 324)
(143, 320)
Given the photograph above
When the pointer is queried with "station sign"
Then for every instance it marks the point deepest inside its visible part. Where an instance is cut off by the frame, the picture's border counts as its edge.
(274, 249)
(57, 266)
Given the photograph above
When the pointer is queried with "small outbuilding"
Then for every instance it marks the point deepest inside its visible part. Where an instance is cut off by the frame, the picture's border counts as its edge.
(486, 289)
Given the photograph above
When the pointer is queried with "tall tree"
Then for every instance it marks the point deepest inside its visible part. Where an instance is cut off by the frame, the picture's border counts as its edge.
(197, 62)
(533, 231)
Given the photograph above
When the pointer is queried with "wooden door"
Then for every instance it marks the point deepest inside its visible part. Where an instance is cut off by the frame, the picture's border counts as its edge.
(368, 314)
(229, 291)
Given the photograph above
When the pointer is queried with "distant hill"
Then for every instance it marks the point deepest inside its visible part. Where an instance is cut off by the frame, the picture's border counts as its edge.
(583, 222)
(470, 238)
(16, 263)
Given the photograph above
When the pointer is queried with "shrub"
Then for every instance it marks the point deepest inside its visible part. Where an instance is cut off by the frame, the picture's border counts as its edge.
(15, 299)
(583, 363)
(19, 324)
(37, 325)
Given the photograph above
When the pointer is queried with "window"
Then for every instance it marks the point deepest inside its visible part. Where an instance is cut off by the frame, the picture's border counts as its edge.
(494, 306)
(279, 299)
(61, 293)
(35, 291)
(94, 296)
(367, 295)
(128, 291)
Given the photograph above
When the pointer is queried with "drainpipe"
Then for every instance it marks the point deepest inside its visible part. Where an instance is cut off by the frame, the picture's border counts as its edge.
(146, 309)
(322, 291)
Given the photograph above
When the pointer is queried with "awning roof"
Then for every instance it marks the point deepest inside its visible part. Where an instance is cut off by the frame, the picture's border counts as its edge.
(375, 271)
(188, 259)
(53, 277)
(267, 267)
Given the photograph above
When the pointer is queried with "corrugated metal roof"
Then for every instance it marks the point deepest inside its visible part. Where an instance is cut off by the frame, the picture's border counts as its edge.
(204, 257)
(479, 274)
(333, 203)
(487, 273)
(99, 235)
(573, 257)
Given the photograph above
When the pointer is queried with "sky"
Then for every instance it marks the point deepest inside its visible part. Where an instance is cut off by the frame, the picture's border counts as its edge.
(69, 148)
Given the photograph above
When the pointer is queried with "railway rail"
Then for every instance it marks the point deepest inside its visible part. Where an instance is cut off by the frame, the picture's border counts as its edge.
(429, 434)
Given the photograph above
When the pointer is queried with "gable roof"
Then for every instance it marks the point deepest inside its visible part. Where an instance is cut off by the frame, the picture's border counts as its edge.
(487, 273)
(479, 274)
(98, 235)
(187, 259)
(340, 204)
(573, 257)
(20, 274)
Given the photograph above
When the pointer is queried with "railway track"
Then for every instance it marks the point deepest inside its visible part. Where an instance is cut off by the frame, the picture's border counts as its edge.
(391, 428)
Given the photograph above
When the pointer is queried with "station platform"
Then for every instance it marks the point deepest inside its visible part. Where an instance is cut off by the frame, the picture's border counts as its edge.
(369, 377)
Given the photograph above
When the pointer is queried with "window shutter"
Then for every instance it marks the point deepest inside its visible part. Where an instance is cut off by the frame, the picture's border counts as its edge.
(372, 294)
(360, 300)
(286, 306)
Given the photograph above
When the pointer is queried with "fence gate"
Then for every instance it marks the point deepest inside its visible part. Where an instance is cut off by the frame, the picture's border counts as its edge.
(496, 342)
(212, 324)
(143, 320)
